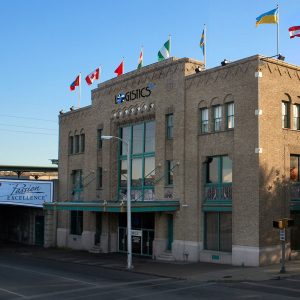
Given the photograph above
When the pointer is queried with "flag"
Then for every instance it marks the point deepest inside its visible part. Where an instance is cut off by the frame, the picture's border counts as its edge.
(269, 17)
(75, 83)
(92, 76)
(202, 43)
(294, 31)
(120, 69)
(141, 60)
(164, 52)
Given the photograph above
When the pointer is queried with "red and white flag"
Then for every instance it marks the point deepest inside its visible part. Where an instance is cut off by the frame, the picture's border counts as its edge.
(92, 76)
(294, 31)
(120, 69)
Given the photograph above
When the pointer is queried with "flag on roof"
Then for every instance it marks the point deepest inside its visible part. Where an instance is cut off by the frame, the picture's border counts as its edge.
(202, 42)
(294, 31)
(164, 52)
(92, 76)
(269, 17)
(120, 69)
(141, 59)
(75, 83)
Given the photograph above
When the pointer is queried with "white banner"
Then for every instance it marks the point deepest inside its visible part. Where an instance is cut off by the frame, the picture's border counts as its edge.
(25, 192)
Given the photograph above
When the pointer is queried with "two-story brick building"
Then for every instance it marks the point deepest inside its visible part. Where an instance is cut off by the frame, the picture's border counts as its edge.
(214, 160)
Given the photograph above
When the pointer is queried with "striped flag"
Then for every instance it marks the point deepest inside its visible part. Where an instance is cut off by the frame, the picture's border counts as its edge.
(164, 52)
(75, 83)
(202, 42)
(141, 59)
(269, 17)
(294, 31)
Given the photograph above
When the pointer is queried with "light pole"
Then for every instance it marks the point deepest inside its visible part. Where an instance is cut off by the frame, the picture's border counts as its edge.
(129, 247)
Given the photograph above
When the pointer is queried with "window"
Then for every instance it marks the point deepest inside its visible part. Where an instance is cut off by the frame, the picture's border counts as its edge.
(219, 170)
(217, 111)
(77, 182)
(294, 168)
(295, 231)
(296, 116)
(141, 137)
(82, 142)
(169, 171)
(169, 126)
(230, 115)
(77, 143)
(99, 140)
(285, 114)
(99, 178)
(218, 231)
(204, 120)
(76, 222)
(71, 144)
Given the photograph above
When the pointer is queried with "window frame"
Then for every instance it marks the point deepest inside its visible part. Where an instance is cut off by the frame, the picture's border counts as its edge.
(285, 115)
(217, 118)
(204, 123)
(229, 116)
(169, 172)
(170, 126)
(99, 140)
(296, 119)
(76, 222)
(99, 178)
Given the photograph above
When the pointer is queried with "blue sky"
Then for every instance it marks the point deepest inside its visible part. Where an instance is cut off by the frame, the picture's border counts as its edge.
(45, 44)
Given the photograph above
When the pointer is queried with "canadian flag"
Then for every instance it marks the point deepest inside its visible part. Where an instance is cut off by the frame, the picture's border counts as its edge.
(92, 76)
(120, 69)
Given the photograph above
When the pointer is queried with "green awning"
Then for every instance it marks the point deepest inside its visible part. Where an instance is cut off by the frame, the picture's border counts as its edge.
(110, 206)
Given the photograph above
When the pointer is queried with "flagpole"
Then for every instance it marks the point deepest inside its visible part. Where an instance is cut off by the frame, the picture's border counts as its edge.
(170, 44)
(79, 93)
(277, 29)
(204, 46)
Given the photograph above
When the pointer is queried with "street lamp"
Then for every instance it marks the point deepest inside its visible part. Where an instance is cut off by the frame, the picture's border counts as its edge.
(129, 246)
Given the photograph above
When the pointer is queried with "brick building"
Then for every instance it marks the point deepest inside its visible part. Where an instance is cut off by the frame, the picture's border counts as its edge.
(214, 157)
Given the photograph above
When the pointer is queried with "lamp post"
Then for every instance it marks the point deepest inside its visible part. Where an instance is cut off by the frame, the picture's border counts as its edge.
(129, 245)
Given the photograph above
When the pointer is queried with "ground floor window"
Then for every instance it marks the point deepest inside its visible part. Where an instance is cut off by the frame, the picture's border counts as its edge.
(76, 225)
(295, 231)
(218, 231)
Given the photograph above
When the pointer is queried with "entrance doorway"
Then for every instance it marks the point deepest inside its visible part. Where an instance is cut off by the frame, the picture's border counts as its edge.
(39, 230)
(142, 233)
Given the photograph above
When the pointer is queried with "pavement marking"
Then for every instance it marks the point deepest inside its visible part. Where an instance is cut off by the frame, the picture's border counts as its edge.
(13, 293)
(272, 287)
(126, 288)
(290, 279)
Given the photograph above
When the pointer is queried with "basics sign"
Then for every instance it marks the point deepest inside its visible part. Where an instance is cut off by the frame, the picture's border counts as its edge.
(25, 192)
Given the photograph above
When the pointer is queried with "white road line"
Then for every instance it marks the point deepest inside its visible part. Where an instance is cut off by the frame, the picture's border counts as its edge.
(291, 279)
(13, 293)
(127, 288)
(272, 287)
(95, 287)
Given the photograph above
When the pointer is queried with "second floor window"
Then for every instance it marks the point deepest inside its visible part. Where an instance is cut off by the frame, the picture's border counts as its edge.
(285, 110)
(296, 116)
(230, 115)
(169, 120)
(99, 134)
(204, 120)
(82, 142)
(77, 143)
(71, 144)
(217, 111)
(219, 170)
(294, 168)
(169, 171)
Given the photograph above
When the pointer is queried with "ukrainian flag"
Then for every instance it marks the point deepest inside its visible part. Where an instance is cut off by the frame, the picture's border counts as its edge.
(269, 17)
(202, 42)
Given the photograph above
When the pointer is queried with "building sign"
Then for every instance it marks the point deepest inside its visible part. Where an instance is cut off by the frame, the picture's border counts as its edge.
(135, 94)
(136, 232)
(25, 192)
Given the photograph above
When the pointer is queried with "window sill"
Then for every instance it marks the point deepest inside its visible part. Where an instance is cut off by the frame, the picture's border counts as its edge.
(213, 132)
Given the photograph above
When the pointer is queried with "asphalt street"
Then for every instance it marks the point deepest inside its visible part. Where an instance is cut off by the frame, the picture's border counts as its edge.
(27, 277)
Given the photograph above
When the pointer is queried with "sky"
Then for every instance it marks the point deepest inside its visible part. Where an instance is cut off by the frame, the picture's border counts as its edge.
(45, 44)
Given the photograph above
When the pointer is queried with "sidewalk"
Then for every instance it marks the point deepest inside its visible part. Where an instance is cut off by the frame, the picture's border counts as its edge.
(200, 271)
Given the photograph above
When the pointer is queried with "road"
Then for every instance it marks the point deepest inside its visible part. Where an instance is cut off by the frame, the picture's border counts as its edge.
(27, 277)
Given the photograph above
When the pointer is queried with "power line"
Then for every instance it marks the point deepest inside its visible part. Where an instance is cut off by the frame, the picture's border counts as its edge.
(22, 126)
(28, 132)
(27, 118)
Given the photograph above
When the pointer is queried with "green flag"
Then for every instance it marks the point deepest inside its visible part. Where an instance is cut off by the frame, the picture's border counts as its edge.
(164, 52)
